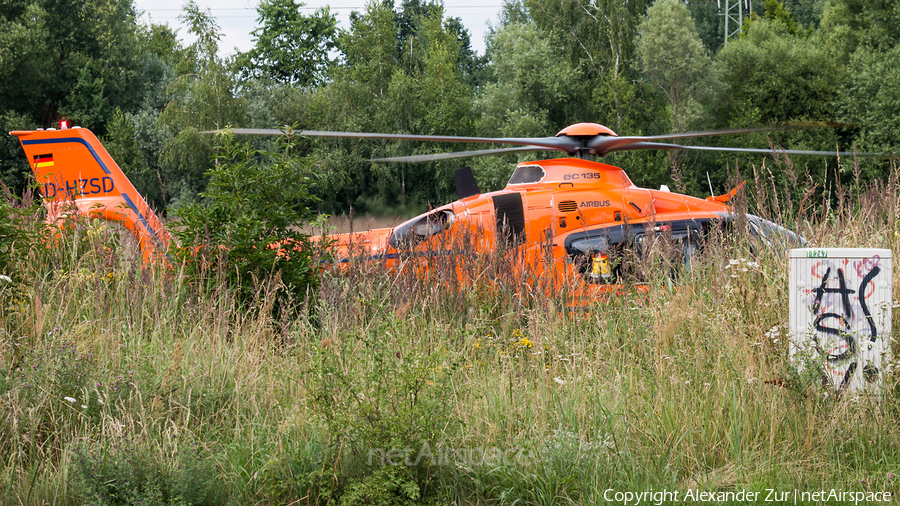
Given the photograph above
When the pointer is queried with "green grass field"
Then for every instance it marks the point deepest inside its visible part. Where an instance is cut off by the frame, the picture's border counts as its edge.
(127, 386)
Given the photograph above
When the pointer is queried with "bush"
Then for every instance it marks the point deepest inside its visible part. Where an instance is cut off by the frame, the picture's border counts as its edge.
(246, 231)
(123, 472)
(20, 231)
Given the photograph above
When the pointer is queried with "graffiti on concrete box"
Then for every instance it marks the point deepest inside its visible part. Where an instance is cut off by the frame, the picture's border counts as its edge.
(844, 316)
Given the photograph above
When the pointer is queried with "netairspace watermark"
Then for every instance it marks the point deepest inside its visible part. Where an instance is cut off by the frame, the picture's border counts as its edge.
(665, 496)
(468, 458)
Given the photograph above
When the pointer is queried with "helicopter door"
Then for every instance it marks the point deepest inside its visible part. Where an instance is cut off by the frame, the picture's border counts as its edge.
(510, 217)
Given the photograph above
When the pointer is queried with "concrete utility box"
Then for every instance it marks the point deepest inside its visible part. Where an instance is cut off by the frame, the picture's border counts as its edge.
(840, 313)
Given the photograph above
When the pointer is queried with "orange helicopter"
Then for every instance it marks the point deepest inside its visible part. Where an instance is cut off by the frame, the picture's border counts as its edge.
(567, 218)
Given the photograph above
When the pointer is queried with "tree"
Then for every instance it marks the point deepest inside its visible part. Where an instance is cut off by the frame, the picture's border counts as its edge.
(871, 99)
(787, 77)
(532, 84)
(290, 47)
(853, 23)
(673, 57)
(420, 89)
(674, 60)
(203, 97)
(79, 59)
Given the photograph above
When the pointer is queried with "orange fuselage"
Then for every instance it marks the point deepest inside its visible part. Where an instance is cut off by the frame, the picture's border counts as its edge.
(545, 205)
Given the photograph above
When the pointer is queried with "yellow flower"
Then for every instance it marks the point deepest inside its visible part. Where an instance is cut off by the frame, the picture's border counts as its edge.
(524, 343)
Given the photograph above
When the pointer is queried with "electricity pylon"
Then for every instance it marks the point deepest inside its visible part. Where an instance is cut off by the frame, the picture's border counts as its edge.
(734, 16)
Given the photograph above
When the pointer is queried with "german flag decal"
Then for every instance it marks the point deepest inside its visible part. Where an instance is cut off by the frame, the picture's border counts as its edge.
(43, 161)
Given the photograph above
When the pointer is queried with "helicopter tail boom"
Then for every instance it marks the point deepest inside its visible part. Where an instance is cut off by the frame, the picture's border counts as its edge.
(77, 177)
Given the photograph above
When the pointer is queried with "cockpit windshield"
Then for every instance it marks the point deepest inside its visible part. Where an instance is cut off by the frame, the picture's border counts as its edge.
(414, 232)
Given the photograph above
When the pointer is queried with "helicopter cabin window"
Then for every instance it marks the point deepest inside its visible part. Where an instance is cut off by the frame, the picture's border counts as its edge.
(592, 258)
(667, 250)
(525, 174)
(430, 225)
(627, 255)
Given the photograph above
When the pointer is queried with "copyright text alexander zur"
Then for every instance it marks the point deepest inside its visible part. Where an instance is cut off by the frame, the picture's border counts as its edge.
(665, 496)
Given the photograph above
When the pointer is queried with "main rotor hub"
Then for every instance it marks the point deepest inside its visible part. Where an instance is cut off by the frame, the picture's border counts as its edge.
(586, 130)
(583, 133)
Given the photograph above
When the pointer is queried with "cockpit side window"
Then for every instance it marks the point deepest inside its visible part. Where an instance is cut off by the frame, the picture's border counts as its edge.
(622, 255)
(419, 230)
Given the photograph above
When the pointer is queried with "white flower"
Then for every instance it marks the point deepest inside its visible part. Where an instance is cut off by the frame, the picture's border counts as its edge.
(559, 381)
(5, 278)
(70, 399)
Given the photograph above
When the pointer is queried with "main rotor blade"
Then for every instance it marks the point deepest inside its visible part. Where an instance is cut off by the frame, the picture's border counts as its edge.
(662, 146)
(560, 143)
(603, 145)
(460, 154)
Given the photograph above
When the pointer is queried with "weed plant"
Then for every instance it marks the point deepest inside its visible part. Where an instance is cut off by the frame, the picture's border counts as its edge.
(121, 384)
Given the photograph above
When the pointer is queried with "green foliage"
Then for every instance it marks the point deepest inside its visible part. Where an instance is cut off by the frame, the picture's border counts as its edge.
(532, 85)
(673, 58)
(121, 144)
(871, 99)
(787, 77)
(119, 472)
(387, 486)
(184, 162)
(421, 89)
(93, 53)
(775, 11)
(290, 48)
(20, 232)
(203, 92)
(854, 23)
(82, 60)
(388, 413)
(247, 228)
(598, 39)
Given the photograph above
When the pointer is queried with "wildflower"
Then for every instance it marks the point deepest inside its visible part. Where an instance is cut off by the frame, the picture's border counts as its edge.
(559, 381)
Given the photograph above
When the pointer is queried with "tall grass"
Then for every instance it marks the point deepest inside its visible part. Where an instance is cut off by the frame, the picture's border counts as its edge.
(121, 383)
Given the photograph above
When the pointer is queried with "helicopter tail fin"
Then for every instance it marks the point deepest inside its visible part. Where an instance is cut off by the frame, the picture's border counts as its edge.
(77, 176)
